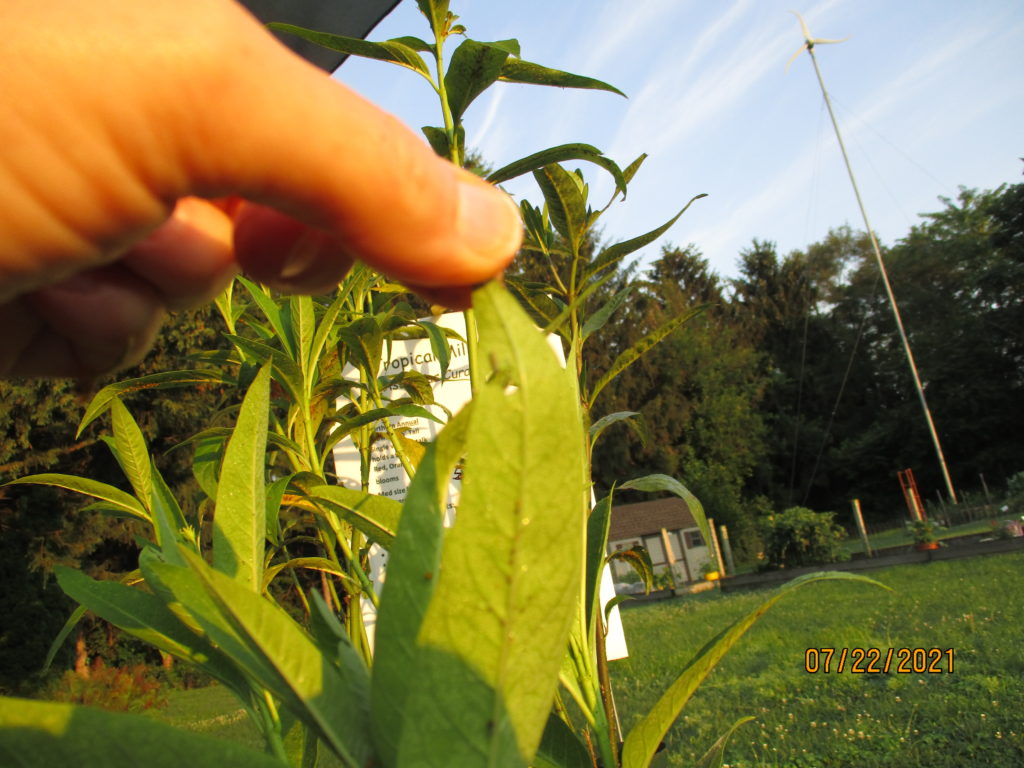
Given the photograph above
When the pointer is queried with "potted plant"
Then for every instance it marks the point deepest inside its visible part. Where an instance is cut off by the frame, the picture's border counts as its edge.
(924, 533)
(710, 571)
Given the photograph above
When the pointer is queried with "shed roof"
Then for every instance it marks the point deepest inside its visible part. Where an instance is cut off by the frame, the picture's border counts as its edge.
(634, 520)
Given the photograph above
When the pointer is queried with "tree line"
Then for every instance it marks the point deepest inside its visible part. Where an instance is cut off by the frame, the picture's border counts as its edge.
(791, 387)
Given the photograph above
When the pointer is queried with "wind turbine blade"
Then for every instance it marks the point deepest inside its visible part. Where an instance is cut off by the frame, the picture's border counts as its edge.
(793, 58)
(803, 26)
(820, 41)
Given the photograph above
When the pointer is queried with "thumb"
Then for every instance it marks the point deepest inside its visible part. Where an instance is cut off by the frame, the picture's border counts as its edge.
(277, 131)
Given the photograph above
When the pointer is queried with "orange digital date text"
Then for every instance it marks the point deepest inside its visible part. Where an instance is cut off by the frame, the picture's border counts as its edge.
(879, 661)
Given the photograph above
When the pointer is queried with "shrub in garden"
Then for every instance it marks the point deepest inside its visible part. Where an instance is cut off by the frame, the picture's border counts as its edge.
(133, 688)
(799, 536)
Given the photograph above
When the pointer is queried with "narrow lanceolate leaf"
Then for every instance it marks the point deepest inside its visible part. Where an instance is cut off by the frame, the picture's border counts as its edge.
(323, 331)
(132, 452)
(347, 426)
(36, 734)
(567, 206)
(107, 493)
(396, 51)
(272, 311)
(239, 522)
(332, 698)
(286, 371)
(638, 350)
(518, 71)
(645, 737)
(363, 338)
(321, 564)
(167, 512)
(598, 525)
(597, 320)
(375, 516)
(303, 324)
(560, 154)
(613, 254)
(412, 577)
(166, 380)
(438, 344)
(495, 632)
(715, 756)
(599, 426)
(474, 66)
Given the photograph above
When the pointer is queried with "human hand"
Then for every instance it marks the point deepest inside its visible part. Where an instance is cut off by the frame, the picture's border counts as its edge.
(151, 150)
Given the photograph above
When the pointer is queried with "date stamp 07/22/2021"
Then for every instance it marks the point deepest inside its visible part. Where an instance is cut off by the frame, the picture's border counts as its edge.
(879, 661)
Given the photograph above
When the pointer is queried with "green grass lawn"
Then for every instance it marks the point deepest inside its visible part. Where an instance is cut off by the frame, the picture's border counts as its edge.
(974, 716)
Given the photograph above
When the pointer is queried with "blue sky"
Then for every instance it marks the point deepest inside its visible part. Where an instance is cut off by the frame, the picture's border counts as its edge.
(930, 96)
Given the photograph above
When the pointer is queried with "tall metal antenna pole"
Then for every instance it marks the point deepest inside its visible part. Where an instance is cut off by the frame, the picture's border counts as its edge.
(809, 45)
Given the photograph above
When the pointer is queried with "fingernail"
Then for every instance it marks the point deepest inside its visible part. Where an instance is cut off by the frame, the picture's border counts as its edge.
(488, 221)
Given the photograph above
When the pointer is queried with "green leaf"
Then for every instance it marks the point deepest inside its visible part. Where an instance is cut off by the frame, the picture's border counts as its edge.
(645, 737)
(375, 516)
(617, 600)
(397, 51)
(166, 380)
(274, 496)
(303, 325)
(557, 155)
(108, 493)
(638, 350)
(346, 427)
(206, 463)
(494, 635)
(364, 338)
(598, 525)
(597, 320)
(715, 756)
(615, 253)
(560, 747)
(143, 615)
(309, 563)
(567, 205)
(286, 372)
(415, 43)
(132, 452)
(272, 310)
(438, 344)
(58, 641)
(35, 734)
(166, 507)
(599, 426)
(328, 697)
(474, 66)
(436, 12)
(415, 561)
(633, 167)
(516, 70)
(640, 560)
(323, 331)
(438, 140)
(239, 521)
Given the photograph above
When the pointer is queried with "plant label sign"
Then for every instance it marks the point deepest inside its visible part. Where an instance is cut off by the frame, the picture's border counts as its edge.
(387, 475)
